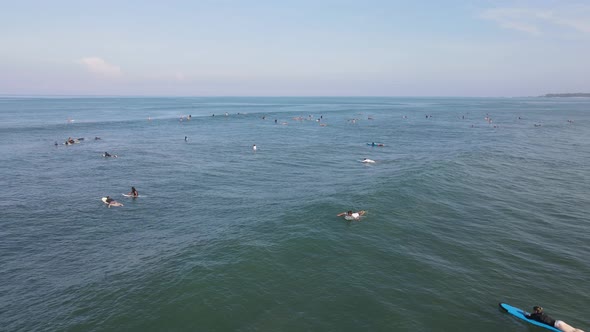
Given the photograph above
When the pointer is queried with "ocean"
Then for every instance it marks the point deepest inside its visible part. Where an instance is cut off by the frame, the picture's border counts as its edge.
(471, 202)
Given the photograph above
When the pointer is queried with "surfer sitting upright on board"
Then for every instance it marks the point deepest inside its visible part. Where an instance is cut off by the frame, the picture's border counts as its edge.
(542, 317)
(133, 192)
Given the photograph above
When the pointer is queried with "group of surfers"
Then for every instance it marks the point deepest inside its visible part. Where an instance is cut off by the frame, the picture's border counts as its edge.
(71, 141)
(112, 202)
(538, 314)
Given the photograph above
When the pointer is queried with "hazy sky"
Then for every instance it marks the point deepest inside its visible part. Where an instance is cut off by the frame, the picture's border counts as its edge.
(286, 48)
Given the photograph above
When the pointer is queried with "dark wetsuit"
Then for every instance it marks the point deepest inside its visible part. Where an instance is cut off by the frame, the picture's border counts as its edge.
(543, 318)
(109, 200)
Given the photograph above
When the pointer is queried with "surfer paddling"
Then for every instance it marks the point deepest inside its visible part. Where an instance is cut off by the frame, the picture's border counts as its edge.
(111, 202)
(542, 317)
(349, 215)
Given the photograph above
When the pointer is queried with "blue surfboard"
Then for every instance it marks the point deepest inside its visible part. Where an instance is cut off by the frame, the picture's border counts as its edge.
(521, 314)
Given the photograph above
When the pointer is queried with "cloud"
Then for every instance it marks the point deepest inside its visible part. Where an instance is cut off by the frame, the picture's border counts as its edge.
(536, 21)
(581, 25)
(100, 67)
(520, 19)
(520, 26)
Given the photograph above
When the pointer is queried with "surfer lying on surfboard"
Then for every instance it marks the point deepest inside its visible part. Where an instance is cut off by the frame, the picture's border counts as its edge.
(375, 144)
(111, 202)
(106, 155)
(71, 141)
(349, 215)
(542, 317)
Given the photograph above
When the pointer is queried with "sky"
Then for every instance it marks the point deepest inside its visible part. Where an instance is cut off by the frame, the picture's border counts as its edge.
(294, 48)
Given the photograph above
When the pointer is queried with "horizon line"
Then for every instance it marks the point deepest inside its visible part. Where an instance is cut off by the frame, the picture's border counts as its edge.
(241, 96)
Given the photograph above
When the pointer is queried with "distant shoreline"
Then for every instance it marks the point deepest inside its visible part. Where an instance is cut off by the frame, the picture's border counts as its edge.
(551, 95)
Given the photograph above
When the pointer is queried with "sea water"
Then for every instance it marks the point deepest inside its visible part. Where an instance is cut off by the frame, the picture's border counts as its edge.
(471, 201)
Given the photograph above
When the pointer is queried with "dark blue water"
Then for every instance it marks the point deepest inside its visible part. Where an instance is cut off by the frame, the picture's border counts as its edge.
(461, 213)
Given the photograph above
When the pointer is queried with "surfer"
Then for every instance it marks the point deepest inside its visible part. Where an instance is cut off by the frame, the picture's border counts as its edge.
(186, 138)
(133, 192)
(367, 160)
(111, 202)
(542, 317)
(349, 215)
(254, 148)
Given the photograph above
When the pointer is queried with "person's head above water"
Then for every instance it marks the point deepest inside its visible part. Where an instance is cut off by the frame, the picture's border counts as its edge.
(537, 309)
(349, 213)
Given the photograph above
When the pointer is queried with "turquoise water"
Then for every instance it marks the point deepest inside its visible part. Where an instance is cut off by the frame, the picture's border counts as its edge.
(462, 213)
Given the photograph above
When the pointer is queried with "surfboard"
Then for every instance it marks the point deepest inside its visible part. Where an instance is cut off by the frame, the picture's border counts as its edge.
(521, 314)
(104, 200)
(375, 144)
(127, 195)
